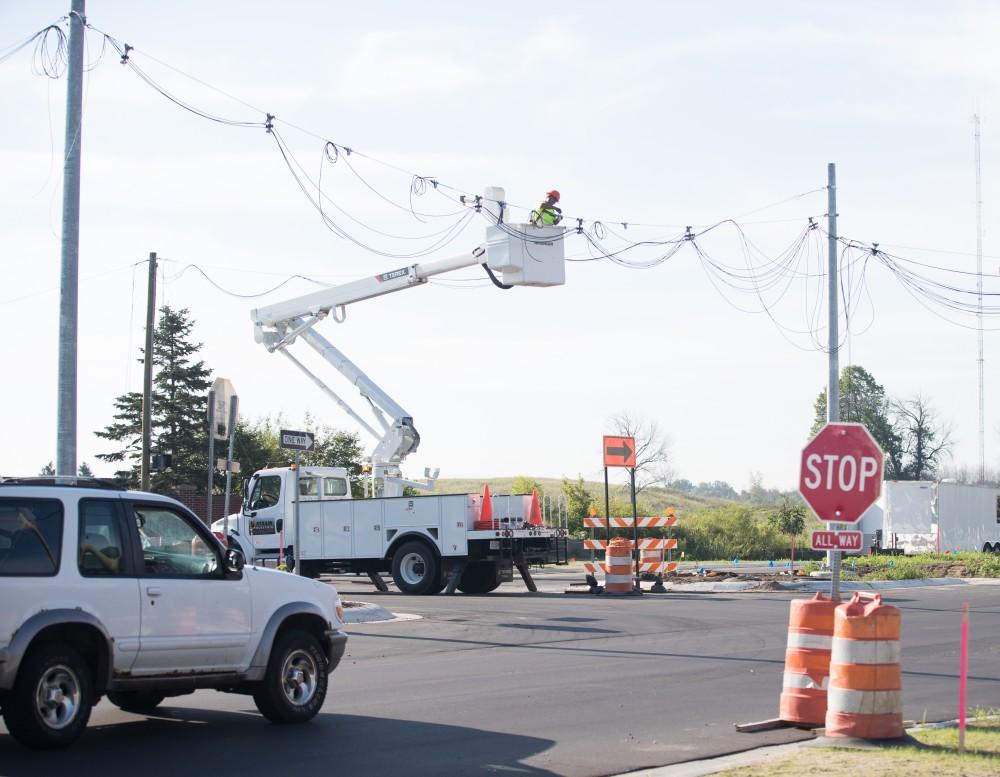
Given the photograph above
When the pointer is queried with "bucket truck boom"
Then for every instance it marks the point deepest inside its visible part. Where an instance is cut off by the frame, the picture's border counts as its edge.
(524, 255)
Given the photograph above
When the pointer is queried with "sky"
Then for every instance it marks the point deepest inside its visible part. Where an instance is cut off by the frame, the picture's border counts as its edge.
(656, 113)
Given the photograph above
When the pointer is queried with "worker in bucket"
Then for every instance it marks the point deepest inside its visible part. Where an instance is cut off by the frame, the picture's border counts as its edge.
(547, 214)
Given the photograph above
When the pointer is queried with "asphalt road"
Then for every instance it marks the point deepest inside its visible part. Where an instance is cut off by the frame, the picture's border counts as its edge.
(514, 683)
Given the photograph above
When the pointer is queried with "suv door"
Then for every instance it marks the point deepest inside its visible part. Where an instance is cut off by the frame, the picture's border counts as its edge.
(194, 616)
(107, 570)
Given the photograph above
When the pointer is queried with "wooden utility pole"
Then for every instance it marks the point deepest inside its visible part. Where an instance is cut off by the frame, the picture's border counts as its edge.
(147, 374)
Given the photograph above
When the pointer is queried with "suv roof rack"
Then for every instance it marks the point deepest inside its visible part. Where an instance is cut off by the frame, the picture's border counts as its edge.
(69, 481)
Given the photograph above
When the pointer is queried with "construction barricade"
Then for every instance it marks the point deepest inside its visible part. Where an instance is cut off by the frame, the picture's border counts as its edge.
(807, 661)
(865, 694)
(656, 552)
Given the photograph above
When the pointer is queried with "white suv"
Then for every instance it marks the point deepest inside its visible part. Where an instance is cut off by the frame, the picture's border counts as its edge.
(104, 591)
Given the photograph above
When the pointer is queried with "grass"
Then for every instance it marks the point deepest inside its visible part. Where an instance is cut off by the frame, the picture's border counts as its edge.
(937, 758)
(928, 565)
(656, 499)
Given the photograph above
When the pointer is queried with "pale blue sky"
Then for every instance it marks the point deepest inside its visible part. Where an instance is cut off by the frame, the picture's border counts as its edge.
(665, 113)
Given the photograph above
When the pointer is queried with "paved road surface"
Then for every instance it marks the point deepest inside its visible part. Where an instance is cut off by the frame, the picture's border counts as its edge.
(510, 683)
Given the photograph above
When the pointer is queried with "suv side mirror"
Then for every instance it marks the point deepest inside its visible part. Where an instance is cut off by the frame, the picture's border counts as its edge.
(235, 561)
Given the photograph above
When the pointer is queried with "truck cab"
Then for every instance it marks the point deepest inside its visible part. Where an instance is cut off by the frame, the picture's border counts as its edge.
(264, 526)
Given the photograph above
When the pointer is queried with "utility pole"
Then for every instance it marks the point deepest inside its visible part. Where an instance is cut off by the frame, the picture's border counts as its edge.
(833, 347)
(70, 251)
(147, 374)
(979, 300)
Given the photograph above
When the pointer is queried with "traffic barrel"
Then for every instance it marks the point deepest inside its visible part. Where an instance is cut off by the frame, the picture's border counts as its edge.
(618, 566)
(807, 661)
(865, 698)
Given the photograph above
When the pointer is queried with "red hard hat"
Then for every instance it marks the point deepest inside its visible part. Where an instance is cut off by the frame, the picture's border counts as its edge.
(554, 194)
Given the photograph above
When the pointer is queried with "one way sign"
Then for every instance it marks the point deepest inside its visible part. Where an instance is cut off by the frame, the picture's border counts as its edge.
(619, 451)
(296, 441)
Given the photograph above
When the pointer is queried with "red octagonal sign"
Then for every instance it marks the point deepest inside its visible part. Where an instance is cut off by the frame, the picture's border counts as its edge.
(841, 474)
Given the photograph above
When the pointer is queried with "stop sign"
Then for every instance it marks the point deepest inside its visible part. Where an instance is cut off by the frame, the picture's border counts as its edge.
(841, 474)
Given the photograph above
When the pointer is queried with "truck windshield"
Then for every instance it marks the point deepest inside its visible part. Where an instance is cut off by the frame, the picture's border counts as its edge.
(266, 492)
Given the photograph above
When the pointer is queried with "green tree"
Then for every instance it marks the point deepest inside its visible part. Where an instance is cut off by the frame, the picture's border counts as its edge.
(47, 471)
(578, 503)
(256, 447)
(180, 387)
(789, 518)
(525, 485)
(863, 400)
(85, 471)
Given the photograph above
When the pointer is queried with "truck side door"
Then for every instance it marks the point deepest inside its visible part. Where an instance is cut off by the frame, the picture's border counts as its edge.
(262, 511)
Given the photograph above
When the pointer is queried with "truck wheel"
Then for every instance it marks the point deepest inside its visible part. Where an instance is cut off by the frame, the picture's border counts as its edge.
(989, 548)
(50, 703)
(479, 577)
(294, 686)
(415, 568)
(136, 701)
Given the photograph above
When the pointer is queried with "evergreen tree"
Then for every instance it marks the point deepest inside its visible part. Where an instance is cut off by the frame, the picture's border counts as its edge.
(180, 387)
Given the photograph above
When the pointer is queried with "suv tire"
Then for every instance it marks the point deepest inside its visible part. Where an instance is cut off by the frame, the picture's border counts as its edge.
(136, 701)
(415, 568)
(294, 687)
(50, 703)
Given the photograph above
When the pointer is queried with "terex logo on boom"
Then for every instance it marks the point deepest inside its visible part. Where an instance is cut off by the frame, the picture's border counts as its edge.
(388, 276)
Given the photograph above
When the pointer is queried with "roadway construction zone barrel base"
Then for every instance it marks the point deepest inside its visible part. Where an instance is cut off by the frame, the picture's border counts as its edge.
(807, 661)
(865, 694)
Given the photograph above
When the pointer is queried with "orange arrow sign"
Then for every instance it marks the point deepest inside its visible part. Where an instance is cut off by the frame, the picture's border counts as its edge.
(619, 451)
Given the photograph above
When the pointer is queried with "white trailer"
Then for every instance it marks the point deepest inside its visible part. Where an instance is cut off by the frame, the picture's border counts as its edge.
(926, 516)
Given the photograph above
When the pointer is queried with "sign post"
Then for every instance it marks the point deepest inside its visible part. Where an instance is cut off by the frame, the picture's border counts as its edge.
(219, 397)
(298, 442)
(620, 452)
(840, 478)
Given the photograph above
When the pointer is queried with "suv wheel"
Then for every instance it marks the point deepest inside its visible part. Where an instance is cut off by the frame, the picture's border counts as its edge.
(50, 703)
(136, 701)
(294, 687)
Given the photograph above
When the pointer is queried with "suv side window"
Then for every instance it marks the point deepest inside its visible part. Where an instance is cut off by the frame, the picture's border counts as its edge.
(101, 551)
(30, 536)
(266, 492)
(171, 546)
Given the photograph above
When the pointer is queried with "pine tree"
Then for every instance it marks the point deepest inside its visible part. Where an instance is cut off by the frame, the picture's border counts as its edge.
(180, 387)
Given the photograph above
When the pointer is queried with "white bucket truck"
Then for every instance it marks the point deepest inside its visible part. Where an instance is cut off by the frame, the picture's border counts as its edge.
(426, 542)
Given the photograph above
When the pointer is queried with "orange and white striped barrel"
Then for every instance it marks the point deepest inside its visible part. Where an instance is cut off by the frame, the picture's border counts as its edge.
(807, 661)
(618, 566)
(865, 698)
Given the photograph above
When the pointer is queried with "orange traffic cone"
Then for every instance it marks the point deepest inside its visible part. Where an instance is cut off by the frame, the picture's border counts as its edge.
(535, 513)
(486, 510)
